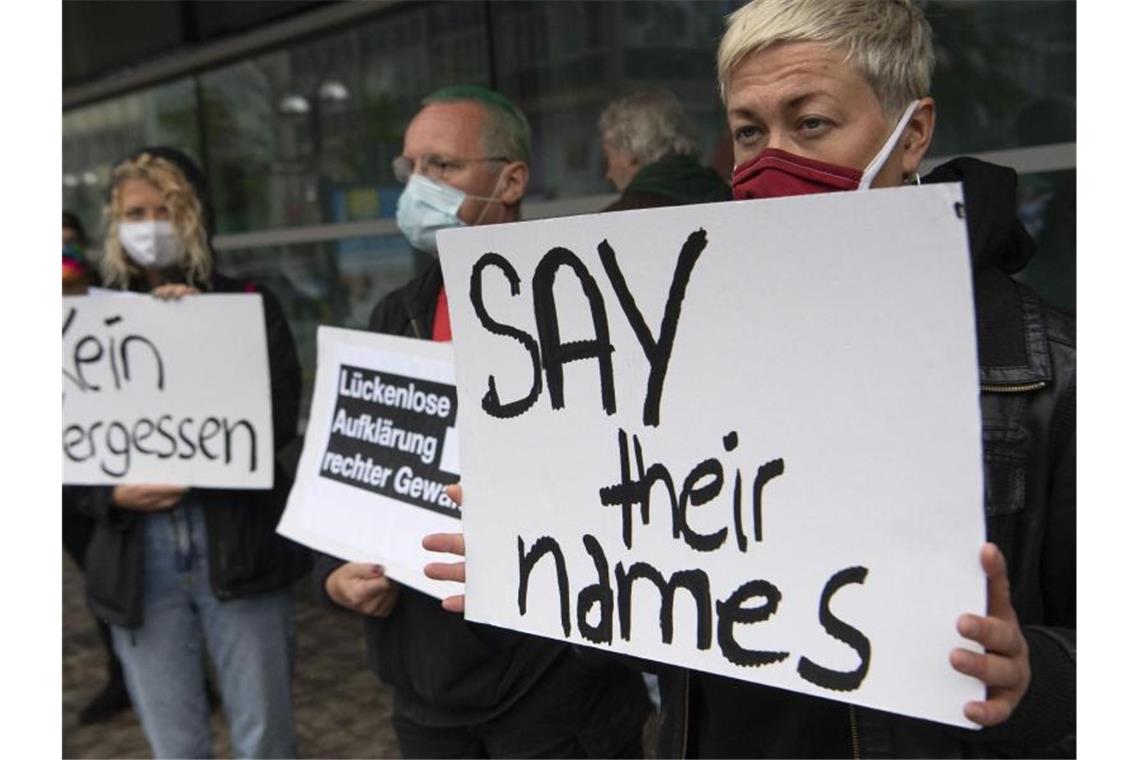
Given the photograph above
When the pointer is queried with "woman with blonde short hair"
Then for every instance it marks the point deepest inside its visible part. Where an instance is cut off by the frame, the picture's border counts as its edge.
(834, 95)
(177, 571)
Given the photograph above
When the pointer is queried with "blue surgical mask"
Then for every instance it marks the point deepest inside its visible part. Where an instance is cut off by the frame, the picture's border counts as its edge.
(426, 207)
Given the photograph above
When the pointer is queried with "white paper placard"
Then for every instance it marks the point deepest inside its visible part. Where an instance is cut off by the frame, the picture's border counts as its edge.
(380, 446)
(801, 458)
(173, 392)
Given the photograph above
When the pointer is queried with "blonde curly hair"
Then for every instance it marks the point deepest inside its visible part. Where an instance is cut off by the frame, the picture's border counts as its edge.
(186, 216)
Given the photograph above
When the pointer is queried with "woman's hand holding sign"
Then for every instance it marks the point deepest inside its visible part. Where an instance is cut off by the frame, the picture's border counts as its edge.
(147, 498)
(173, 291)
(1004, 668)
(451, 543)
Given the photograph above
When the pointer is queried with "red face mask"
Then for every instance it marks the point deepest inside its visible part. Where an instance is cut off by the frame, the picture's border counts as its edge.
(776, 173)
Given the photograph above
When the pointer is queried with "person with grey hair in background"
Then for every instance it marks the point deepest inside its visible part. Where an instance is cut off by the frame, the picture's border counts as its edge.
(651, 154)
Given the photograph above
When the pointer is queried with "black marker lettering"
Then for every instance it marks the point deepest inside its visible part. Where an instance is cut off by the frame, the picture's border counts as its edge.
(527, 561)
(711, 472)
(163, 432)
(123, 450)
(186, 439)
(696, 582)
(229, 429)
(555, 353)
(127, 341)
(599, 593)
(491, 402)
(214, 425)
(732, 611)
(656, 351)
(68, 320)
(825, 677)
(69, 445)
(137, 437)
(79, 359)
(765, 473)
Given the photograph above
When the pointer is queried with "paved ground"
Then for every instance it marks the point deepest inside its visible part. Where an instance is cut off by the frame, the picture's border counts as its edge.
(341, 709)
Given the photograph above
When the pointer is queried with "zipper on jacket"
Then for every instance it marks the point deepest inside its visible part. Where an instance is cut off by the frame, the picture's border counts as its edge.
(413, 322)
(1025, 388)
(854, 733)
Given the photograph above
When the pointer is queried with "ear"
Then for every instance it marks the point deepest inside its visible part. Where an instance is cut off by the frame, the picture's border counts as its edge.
(513, 184)
(917, 136)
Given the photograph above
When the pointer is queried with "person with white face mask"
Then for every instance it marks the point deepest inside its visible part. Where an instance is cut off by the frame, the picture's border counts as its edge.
(179, 572)
(463, 689)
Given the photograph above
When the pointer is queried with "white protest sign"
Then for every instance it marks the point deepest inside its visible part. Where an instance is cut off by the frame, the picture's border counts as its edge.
(738, 437)
(380, 447)
(172, 392)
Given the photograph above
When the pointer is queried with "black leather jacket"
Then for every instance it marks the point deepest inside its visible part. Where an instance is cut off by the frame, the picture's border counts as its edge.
(1027, 366)
(246, 554)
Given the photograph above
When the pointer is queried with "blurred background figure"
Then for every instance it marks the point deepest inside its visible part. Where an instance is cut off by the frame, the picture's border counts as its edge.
(651, 154)
(77, 527)
(178, 571)
(76, 273)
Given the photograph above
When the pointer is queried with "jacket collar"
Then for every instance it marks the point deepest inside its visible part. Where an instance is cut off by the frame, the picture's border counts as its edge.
(1013, 348)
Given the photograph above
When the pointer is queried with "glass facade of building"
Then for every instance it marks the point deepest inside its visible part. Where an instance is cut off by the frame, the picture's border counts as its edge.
(301, 137)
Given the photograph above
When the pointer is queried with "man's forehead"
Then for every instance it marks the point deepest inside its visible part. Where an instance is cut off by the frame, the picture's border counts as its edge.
(447, 128)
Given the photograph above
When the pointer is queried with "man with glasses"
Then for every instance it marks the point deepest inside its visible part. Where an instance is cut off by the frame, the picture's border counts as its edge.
(464, 689)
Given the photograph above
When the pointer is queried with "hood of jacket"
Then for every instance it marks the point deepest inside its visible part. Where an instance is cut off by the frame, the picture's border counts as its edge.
(1010, 322)
(997, 237)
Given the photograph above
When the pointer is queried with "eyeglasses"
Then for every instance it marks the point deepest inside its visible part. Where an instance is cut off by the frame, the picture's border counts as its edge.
(433, 166)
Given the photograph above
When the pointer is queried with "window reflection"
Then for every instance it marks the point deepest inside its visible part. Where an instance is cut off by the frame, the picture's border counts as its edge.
(97, 137)
(996, 63)
(305, 135)
(1047, 206)
(333, 283)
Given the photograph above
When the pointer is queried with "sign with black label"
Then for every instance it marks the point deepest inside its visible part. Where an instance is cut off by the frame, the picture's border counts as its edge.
(389, 435)
(380, 450)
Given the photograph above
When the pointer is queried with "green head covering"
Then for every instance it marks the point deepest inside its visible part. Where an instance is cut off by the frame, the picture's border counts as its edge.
(510, 124)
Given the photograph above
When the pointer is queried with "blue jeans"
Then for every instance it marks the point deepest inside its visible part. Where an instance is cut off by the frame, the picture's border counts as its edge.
(249, 640)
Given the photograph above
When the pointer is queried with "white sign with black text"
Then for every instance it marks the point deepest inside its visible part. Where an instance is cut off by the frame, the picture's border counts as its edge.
(379, 450)
(171, 392)
(739, 437)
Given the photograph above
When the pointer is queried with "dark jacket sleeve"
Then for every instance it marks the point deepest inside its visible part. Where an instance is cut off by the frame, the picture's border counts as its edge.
(323, 567)
(95, 502)
(284, 371)
(1044, 722)
(1046, 718)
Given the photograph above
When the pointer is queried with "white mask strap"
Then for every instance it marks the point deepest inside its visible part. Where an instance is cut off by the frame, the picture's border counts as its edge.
(880, 158)
(487, 200)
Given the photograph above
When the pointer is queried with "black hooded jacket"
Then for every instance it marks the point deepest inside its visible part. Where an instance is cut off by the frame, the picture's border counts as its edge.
(1027, 366)
(448, 672)
(246, 554)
